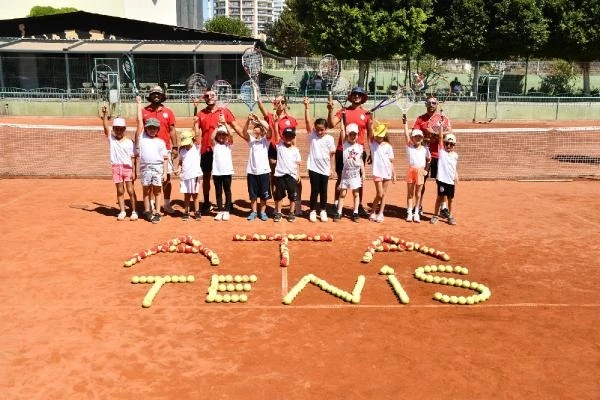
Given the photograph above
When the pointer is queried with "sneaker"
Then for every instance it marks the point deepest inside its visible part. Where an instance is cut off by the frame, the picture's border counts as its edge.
(373, 217)
(434, 219)
(416, 218)
(206, 208)
(312, 217)
(264, 217)
(252, 216)
(147, 216)
(355, 217)
(226, 216)
(121, 216)
(362, 212)
(219, 216)
(291, 218)
(197, 215)
(156, 218)
(451, 220)
(445, 213)
(133, 216)
(409, 217)
(168, 209)
(323, 216)
(186, 216)
(277, 217)
(379, 218)
(337, 216)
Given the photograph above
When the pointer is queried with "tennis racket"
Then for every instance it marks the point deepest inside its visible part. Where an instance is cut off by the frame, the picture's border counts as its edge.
(252, 62)
(249, 94)
(129, 71)
(339, 91)
(437, 123)
(223, 92)
(196, 86)
(404, 98)
(273, 87)
(329, 67)
(300, 78)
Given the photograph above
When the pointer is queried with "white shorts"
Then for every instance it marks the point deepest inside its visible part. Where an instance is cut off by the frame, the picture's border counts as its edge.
(350, 183)
(151, 175)
(170, 167)
(190, 185)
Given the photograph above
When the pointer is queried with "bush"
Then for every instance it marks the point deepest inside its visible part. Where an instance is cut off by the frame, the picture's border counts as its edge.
(560, 78)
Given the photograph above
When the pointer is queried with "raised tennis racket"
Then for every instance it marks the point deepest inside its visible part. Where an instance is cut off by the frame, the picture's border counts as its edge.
(273, 87)
(129, 71)
(404, 98)
(438, 123)
(340, 90)
(249, 94)
(196, 87)
(223, 92)
(329, 67)
(252, 62)
(301, 77)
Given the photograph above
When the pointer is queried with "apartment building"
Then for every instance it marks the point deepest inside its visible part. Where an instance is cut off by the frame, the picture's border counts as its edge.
(254, 13)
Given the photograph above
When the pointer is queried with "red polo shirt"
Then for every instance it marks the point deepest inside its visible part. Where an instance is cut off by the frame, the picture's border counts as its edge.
(208, 120)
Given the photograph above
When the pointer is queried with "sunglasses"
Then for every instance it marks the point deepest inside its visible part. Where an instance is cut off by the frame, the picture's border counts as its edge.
(431, 103)
(449, 143)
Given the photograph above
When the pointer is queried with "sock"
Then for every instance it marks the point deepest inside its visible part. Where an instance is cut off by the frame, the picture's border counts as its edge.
(335, 204)
(409, 210)
(167, 202)
(444, 206)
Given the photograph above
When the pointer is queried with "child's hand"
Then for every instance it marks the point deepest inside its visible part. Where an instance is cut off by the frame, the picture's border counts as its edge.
(306, 102)
(404, 119)
(138, 99)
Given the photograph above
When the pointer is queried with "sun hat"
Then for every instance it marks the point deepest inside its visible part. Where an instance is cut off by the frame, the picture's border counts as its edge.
(152, 122)
(119, 122)
(351, 128)
(359, 90)
(156, 89)
(187, 137)
(417, 132)
(380, 130)
(450, 138)
(289, 132)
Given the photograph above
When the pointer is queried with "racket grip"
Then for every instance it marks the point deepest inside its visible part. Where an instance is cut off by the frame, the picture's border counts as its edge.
(344, 118)
(195, 110)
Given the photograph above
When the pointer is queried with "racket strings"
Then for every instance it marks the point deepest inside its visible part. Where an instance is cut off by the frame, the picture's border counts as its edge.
(252, 62)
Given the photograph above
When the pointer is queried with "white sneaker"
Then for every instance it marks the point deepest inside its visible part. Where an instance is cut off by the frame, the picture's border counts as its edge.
(373, 217)
(323, 216)
(219, 216)
(134, 216)
(226, 216)
(121, 216)
(312, 217)
(409, 217)
(416, 218)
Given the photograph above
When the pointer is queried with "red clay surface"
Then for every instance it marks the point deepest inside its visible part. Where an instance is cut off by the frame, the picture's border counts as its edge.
(73, 326)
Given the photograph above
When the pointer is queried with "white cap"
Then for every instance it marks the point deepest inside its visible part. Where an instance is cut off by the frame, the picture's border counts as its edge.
(417, 132)
(119, 122)
(352, 128)
(450, 138)
(222, 128)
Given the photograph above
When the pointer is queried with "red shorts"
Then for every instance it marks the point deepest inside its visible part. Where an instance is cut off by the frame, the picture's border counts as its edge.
(122, 173)
(415, 175)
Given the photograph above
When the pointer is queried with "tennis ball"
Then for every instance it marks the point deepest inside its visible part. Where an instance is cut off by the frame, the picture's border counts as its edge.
(222, 287)
(470, 300)
(190, 278)
(243, 298)
(228, 278)
(445, 298)
(135, 279)
(210, 298)
(246, 287)
(218, 298)
(441, 268)
(226, 298)
(438, 296)
(237, 278)
(245, 278)
(142, 279)
(174, 278)
(239, 287)
(434, 268)
(149, 279)
(457, 269)
(146, 303)
(453, 299)
(451, 281)
(235, 298)
(167, 278)
(182, 278)
(230, 287)
(462, 300)
(253, 278)
(465, 271)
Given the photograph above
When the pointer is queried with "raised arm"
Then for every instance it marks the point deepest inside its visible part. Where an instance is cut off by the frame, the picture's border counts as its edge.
(405, 127)
(105, 121)
(140, 121)
(307, 122)
(244, 134)
(332, 119)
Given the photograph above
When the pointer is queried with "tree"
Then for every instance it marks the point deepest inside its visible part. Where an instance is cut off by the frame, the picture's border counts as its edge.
(39, 11)
(362, 30)
(286, 35)
(231, 26)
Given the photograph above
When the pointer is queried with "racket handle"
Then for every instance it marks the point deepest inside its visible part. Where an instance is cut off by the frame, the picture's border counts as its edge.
(195, 110)
(344, 118)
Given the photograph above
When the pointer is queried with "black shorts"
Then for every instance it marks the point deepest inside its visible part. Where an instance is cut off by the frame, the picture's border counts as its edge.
(272, 152)
(432, 169)
(259, 186)
(206, 161)
(339, 161)
(286, 184)
(445, 189)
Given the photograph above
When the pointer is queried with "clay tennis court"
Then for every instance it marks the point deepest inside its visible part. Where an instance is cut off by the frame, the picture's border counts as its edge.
(74, 327)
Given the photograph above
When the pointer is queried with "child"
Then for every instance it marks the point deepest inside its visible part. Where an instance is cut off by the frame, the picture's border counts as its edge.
(353, 171)
(222, 171)
(258, 169)
(153, 163)
(122, 159)
(447, 177)
(190, 174)
(382, 156)
(418, 163)
(322, 148)
(286, 174)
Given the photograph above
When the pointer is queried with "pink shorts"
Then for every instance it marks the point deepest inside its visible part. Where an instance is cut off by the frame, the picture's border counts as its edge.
(122, 173)
(415, 175)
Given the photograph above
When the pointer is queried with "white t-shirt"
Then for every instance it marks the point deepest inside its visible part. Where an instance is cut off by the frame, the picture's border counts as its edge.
(153, 150)
(319, 153)
(447, 166)
(121, 151)
(222, 160)
(417, 158)
(287, 160)
(382, 155)
(258, 157)
(352, 156)
(190, 163)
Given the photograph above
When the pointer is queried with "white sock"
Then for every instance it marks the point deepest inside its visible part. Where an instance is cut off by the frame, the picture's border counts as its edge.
(409, 210)
(335, 204)
(444, 206)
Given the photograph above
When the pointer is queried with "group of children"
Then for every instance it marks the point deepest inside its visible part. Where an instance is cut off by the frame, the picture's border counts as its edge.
(152, 156)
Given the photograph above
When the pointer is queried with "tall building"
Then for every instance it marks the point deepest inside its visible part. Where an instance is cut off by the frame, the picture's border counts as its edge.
(254, 13)
(190, 13)
(277, 8)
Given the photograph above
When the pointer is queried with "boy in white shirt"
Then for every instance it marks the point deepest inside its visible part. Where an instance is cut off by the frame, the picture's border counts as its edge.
(286, 174)
(353, 171)
(447, 177)
(190, 174)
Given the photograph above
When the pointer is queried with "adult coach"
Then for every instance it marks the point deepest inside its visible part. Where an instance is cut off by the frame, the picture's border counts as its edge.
(205, 123)
(432, 138)
(353, 114)
(156, 109)
(278, 121)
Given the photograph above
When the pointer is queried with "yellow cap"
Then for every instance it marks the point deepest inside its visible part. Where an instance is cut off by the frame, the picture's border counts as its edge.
(380, 130)
(187, 137)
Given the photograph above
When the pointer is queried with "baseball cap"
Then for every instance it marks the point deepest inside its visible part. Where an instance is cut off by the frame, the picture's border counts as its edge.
(352, 128)
(450, 138)
(417, 132)
(222, 129)
(119, 122)
(187, 137)
(290, 132)
(380, 130)
(152, 122)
